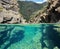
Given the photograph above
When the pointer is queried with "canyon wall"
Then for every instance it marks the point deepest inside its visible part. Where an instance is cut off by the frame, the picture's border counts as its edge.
(50, 14)
(9, 12)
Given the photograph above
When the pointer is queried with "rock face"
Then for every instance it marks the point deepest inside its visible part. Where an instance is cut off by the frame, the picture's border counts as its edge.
(51, 13)
(9, 12)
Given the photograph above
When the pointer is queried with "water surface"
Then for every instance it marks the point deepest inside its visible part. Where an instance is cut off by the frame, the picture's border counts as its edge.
(34, 36)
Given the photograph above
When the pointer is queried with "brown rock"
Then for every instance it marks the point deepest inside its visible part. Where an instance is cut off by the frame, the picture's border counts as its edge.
(52, 12)
(57, 9)
(9, 12)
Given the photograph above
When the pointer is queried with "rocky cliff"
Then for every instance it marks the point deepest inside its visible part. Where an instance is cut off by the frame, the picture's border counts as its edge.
(9, 12)
(29, 8)
(51, 14)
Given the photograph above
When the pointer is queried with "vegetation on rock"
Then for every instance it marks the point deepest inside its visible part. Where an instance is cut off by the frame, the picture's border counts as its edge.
(28, 8)
(51, 14)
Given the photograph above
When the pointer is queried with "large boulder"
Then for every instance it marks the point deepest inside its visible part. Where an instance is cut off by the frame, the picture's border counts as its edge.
(9, 12)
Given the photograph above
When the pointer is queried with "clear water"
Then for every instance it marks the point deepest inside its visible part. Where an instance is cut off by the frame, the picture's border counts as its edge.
(35, 36)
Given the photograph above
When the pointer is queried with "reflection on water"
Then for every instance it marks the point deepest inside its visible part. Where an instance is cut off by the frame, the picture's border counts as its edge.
(41, 36)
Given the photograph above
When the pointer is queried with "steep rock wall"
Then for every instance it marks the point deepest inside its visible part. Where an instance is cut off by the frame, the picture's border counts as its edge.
(9, 12)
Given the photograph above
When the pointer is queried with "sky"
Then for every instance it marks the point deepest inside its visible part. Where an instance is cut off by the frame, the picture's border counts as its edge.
(37, 1)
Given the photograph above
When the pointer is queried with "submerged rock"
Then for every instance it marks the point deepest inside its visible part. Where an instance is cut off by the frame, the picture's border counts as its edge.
(56, 48)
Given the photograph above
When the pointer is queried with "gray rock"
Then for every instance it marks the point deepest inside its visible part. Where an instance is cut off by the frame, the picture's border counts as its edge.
(56, 48)
(9, 12)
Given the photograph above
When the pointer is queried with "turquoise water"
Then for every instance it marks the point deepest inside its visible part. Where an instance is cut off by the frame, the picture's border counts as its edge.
(35, 36)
